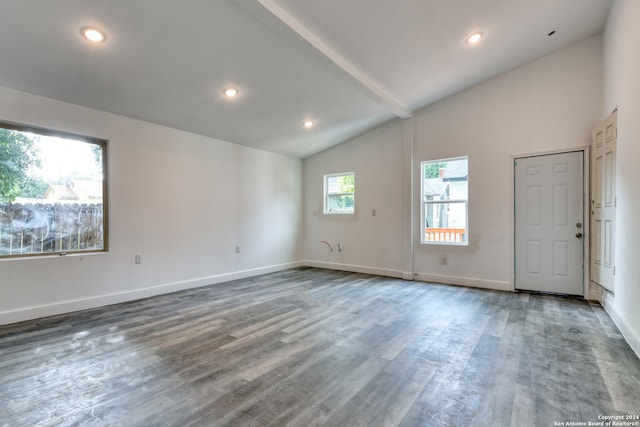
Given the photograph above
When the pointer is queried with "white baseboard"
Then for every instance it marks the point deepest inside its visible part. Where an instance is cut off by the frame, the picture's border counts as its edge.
(355, 268)
(407, 275)
(465, 281)
(35, 312)
(627, 333)
(423, 277)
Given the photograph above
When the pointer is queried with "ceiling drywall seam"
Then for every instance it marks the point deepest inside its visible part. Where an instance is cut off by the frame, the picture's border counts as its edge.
(372, 87)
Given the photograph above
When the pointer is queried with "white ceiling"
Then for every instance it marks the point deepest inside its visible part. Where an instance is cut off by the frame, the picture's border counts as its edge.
(349, 65)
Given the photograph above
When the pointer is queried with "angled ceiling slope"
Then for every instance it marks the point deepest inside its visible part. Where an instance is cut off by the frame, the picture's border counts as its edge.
(347, 66)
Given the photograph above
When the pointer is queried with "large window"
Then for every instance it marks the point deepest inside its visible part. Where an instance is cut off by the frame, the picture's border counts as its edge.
(445, 187)
(53, 189)
(339, 193)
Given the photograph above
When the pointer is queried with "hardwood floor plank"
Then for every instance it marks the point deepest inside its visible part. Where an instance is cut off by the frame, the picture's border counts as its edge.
(310, 347)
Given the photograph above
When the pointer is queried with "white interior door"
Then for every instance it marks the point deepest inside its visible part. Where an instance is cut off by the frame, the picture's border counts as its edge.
(603, 203)
(549, 213)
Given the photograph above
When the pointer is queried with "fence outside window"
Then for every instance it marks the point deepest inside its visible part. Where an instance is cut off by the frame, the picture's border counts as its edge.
(50, 228)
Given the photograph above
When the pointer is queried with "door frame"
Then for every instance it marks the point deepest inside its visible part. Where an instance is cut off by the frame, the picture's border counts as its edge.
(586, 215)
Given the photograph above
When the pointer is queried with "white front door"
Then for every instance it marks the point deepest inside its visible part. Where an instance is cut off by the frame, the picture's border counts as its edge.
(549, 223)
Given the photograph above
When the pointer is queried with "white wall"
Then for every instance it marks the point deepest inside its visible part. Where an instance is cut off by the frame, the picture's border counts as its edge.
(622, 90)
(372, 244)
(181, 200)
(549, 104)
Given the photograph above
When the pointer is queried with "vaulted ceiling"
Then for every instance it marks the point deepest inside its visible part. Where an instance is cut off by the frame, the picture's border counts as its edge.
(347, 65)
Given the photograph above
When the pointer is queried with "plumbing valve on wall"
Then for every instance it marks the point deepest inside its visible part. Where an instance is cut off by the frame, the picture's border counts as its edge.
(340, 248)
(328, 244)
(332, 258)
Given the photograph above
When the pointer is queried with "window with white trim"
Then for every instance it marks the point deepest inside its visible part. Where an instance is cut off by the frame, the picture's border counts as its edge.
(339, 193)
(445, 206)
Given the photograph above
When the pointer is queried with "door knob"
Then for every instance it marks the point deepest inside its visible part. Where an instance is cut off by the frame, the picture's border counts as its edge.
(578, 235)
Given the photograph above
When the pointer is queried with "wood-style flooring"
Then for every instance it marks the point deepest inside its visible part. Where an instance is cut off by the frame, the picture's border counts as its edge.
(310, 347)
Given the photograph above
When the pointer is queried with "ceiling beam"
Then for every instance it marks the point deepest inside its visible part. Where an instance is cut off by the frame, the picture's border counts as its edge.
(370, 86)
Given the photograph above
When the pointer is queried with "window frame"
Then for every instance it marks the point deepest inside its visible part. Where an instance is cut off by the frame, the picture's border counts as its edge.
(326, 209)
(425, 203)
(103, 144)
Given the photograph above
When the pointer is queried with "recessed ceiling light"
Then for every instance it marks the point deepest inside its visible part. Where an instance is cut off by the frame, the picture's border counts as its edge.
(230, 92)
(474, 38)
(93, 34)
(308, 124)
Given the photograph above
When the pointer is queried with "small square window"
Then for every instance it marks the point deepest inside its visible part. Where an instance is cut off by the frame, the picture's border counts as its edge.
(445, 207)
(339, 193)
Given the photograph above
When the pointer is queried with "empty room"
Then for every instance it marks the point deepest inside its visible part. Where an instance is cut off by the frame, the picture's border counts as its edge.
(319, 213)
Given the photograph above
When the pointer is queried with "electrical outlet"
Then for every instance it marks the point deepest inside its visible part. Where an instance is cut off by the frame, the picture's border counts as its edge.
(237, 249)
(373, 212)
(443, 260)
(138, 259)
